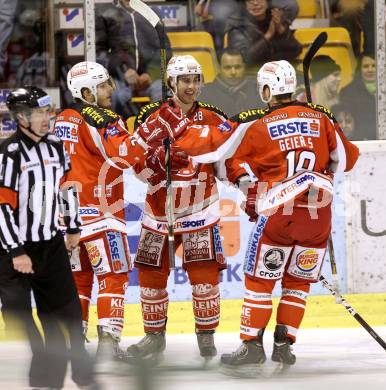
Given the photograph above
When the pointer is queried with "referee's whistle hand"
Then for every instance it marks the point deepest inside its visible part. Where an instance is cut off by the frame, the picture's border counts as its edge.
(23, 264)
(72, 241)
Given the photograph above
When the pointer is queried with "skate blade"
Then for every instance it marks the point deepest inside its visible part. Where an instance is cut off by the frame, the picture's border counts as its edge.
(244, 371)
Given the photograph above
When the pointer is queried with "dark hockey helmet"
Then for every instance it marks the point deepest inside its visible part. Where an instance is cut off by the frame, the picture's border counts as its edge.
(23, 100)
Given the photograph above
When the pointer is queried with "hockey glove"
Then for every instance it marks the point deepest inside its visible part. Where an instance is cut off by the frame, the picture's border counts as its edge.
(250, 206)
(152, 132)
(173, 119)
(155, 159)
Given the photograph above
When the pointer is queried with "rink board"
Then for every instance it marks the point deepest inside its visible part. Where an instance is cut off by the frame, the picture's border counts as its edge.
(321, 312)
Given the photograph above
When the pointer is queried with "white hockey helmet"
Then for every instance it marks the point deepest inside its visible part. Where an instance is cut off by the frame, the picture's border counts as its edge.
(86, 74)
(278, 76)
(182, 65)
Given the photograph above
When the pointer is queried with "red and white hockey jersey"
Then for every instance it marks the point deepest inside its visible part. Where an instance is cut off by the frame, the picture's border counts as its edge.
(195, 192)
(100, 148)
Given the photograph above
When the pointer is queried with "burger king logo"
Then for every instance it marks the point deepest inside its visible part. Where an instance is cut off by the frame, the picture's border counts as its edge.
(307, 260)
(94, 254)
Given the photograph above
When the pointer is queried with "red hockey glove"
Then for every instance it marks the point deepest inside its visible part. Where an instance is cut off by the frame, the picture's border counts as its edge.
(250, 206)
(152, 132)
(173, 119)
(155, 159)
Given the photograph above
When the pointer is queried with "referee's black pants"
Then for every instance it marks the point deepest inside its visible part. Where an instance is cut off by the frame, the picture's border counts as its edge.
(59, 312)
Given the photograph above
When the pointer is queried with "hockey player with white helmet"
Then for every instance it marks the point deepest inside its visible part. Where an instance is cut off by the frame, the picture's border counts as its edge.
(291, 147)
(100, 147)
(196, 212)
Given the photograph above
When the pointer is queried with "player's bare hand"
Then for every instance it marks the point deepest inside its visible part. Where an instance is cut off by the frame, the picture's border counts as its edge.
(23, 264)
(131, 77)
(72, 241)
(144, 81)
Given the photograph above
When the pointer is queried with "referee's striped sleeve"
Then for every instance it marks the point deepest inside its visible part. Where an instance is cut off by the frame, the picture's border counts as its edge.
(69, 203)
(68, 198)
(9, 231)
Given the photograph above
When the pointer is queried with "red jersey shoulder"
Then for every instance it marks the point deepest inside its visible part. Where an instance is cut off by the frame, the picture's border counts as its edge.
(212, 108)
(145, 112)
(322, 109)
(99, 117)
(250, 115)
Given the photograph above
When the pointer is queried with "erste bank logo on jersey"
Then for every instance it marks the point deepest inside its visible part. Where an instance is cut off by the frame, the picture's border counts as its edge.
(294, 126)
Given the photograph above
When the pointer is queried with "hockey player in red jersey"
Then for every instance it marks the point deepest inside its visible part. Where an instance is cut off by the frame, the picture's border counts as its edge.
(196, 212)
(293, 149)
(100, 148)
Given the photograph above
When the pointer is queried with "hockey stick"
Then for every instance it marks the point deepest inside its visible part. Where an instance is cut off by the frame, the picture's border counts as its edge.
(144, 10)
(369, 329)
(313, 49)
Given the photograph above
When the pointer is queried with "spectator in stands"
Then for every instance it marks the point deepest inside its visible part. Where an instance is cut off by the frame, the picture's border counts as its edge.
(344, 117)
(213, 16)
(231, 90)
(325, 73)
(32, 27)
(349, 14)
(7, 16)
(261, 34)
(360, 96)
(128, 46)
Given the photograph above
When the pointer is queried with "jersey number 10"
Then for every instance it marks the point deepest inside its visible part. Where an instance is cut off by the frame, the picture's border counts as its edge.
(304, 161)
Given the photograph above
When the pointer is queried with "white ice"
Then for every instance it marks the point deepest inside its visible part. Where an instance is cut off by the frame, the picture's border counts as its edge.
(327, 359)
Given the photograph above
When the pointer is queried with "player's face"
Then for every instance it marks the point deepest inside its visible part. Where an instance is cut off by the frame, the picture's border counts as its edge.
(333, 82)
(232, 68)
(256, 7)
(40, 120)
(188, 88)
(368, 69)
(104, 93)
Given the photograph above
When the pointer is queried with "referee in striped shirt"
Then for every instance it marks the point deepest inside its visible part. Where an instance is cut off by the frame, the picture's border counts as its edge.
(33, 167)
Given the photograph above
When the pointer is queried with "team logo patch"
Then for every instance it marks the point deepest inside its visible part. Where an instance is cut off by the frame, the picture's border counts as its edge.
(307, 260)
(274, 259)
(288, 127)
(225, 127)
(197, 246)
(111, 131)
(150, 248)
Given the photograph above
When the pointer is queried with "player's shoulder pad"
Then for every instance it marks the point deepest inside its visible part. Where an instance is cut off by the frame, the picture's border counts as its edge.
(145, 112)
(213, 108)
(250, 115)
(98, 117)
(324, 110)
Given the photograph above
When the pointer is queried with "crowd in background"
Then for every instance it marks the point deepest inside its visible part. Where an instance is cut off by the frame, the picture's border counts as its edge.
(254, 31)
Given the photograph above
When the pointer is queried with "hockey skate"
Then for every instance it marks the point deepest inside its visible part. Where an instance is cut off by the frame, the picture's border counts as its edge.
(205, 340)
(282, 350)
(246, 361)
(108, 347)
(148, 349)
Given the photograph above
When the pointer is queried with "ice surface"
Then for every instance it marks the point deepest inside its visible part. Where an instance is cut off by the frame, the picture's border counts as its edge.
(327, 359)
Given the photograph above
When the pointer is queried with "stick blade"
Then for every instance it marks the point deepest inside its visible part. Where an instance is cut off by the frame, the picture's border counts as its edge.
(143, 9)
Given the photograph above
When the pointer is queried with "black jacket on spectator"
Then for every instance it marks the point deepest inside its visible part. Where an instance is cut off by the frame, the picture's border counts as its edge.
(118, 40)
(246, 34)
(362, 107)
